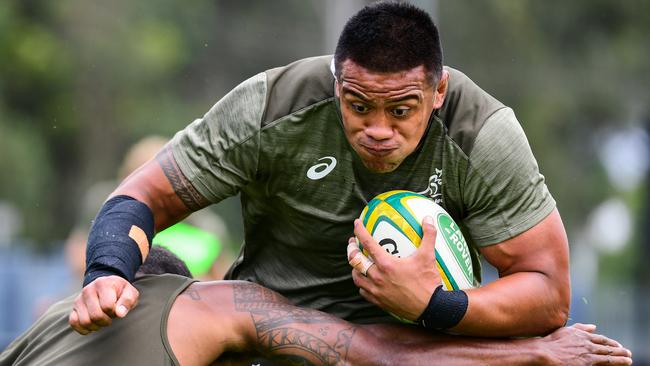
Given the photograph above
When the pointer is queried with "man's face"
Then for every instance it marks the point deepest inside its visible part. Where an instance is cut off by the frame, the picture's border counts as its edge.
(385, 114)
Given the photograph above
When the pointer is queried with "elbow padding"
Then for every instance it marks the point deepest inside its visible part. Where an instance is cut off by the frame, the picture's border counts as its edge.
(111, 249)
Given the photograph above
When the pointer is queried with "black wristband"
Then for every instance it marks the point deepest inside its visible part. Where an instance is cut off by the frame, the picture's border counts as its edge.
(110, 249)
(445, 309)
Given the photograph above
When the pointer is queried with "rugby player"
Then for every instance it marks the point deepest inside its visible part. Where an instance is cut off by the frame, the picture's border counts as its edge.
(307, 146)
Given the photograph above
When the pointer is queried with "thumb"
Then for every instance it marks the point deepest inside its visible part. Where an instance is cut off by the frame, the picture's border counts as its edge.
(128, 300)
(376, 252)
(428, 243)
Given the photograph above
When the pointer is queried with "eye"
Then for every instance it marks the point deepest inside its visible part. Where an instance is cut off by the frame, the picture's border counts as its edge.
(359, 108)
(400, 111)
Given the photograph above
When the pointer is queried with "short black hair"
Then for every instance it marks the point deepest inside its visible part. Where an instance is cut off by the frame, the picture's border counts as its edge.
(391, 37)
(161, 260)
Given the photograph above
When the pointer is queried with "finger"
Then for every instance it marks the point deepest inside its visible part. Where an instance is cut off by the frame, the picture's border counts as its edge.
(366, 272)
(361, 263)
(358, 260)
(84, 322)
(611, 360)
(620, 352)
(91, 309)
(368, 296)
(352, 249)
(377, 253)
(611, 350)
(428, 243)
(107, 299)
(585, 327)
(127, 301)
(601, 339)
(360, 280)
(73, 320)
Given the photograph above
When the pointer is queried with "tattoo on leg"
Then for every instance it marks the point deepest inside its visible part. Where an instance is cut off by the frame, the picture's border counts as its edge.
(281, 327)
(183, 188)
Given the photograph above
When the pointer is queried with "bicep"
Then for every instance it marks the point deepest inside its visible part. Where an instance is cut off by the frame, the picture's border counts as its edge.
(533, 279)
(162, 186)
(543, 248)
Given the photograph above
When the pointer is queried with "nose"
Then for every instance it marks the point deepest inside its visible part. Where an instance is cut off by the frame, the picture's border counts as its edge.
(379, 128)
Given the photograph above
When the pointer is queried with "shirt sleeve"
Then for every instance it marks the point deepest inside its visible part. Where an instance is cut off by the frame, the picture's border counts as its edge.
(505, 194)
(218, 153)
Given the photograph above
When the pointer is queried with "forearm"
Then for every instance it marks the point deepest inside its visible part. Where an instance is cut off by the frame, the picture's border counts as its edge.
(285, 333)
(406, 345)
(521, 304)
(273, 327)
(119, 239)
(451, 350)
(144, 203)
(339, 342)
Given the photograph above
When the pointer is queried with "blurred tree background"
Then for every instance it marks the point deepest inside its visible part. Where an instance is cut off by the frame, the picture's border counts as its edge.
(80, 81)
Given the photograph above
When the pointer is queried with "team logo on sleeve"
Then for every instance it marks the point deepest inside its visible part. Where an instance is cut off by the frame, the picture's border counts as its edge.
(320, 170)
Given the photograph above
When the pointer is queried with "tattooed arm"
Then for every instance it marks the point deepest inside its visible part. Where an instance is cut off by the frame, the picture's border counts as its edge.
(213, 320)
(161, 185)
(244, 318)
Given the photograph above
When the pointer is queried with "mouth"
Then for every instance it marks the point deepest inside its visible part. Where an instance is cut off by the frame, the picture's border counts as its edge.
(378, 151)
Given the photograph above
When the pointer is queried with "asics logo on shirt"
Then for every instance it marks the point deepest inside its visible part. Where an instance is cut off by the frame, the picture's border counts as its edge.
(320, 170)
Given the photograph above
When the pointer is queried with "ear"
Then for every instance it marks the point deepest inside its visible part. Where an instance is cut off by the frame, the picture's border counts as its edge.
(441, 90)
(336, 88)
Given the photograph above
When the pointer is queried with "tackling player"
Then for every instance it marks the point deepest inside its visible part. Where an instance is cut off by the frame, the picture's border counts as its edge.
(183, 322)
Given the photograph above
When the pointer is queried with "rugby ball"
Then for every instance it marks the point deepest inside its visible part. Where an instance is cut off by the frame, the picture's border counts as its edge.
(394, 219)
